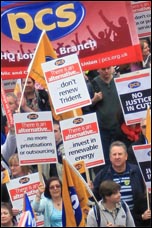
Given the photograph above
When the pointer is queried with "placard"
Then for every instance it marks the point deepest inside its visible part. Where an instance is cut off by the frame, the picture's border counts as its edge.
(81, 139)
(35, 138)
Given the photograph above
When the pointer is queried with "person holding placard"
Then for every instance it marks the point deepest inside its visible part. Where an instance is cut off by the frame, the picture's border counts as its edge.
(13, 105)
(142, 211)
(122, 172)
(9, 147)
(13, 102)
(130, 133)
(35, 100)
(48, 200)
(95, 96)
(107, 109)
(56, 169)
(142, 140)
(16, 171)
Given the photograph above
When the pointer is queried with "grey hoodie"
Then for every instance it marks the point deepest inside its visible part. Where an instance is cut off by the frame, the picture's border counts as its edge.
(123, 219)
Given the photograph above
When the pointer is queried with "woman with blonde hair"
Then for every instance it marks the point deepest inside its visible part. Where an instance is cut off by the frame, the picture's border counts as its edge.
(16, 169)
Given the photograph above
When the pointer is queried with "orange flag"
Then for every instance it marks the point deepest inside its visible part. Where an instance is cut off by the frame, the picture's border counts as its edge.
(43, 50)
(148, 125)
(75, 194)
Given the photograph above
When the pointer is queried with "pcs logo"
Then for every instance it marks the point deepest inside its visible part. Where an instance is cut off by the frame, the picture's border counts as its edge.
(134, 84)
(78, 120)
(78, 166)
(24, 180)
(59, 62)
(32, 116)
(25, 23)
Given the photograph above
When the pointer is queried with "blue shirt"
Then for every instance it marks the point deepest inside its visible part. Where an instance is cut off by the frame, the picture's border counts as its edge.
(56, 218)
(126, 189)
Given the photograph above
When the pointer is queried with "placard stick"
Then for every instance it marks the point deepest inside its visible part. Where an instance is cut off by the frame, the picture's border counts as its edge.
(87, 175)
(148, 204)
(40, 172)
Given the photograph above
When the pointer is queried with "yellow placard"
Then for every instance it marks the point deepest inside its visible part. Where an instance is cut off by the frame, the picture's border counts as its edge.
(80, 166)
(5, 176)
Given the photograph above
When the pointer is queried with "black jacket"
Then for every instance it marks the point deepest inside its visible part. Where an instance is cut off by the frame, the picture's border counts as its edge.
(136, 180)
(140, 206)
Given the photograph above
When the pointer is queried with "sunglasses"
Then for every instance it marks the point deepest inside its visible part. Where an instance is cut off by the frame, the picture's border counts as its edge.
(144, 126)
(54, 186)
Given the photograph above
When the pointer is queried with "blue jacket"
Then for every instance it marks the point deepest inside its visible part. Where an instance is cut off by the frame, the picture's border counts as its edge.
(45, 206)
(136, 180)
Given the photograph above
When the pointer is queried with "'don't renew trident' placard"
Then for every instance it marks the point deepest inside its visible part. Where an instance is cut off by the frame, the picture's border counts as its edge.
(66, 83)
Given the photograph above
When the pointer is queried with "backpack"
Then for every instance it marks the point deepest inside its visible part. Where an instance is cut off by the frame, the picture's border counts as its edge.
(96, 210)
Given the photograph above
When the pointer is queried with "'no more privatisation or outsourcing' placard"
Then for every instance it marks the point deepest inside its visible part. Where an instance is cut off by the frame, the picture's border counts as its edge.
(35, 138)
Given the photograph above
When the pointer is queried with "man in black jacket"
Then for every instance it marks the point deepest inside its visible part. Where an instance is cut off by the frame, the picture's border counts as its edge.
(56, 169)
(107, 109)
(126, 174)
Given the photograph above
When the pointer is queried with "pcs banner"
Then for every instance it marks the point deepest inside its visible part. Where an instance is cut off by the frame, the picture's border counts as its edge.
(101, 37)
